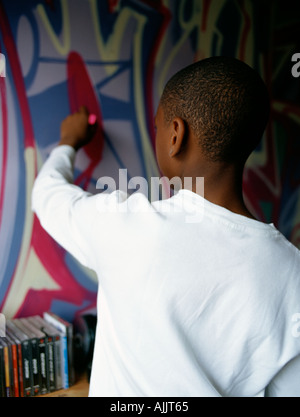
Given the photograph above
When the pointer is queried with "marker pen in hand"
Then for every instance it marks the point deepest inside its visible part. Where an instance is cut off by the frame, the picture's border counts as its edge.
(92, 119)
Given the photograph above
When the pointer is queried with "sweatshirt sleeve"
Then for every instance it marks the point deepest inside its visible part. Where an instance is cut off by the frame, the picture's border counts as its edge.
(286, 382)
(62, 207)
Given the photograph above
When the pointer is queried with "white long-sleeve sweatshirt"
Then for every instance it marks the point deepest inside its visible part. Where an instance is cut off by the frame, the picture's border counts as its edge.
(205, 308)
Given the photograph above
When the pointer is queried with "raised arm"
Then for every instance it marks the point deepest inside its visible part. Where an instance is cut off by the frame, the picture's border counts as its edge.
(64, 210)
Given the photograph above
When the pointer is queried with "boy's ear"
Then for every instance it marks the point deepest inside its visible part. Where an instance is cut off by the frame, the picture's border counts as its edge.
(178, 136)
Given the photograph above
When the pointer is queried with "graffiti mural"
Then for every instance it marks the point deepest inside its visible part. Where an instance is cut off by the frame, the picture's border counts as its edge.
(115, 56)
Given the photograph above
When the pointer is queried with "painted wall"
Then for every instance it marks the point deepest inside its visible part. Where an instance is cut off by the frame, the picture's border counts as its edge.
(115, 56)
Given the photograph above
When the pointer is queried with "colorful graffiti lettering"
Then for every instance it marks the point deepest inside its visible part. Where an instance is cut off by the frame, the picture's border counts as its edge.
(115, 57)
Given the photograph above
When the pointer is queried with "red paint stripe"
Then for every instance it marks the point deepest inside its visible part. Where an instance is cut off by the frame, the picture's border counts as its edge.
(205, 10)
(112, 5)
(50, 255)
(81, 93)
(13, 59)
(4, 144)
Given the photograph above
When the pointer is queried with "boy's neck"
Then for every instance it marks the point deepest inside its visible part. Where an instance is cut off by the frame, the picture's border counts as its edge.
(223, 185)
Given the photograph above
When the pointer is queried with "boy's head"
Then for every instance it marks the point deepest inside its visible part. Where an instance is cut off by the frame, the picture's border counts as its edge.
(224, 104)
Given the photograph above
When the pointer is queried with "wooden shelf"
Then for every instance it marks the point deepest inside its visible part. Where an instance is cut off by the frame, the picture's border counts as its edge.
(79, 389)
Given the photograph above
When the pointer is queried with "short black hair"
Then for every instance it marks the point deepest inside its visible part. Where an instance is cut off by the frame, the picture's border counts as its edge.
(226, 104)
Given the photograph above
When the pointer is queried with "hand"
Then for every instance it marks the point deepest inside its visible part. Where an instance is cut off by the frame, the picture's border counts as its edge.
(76, 131)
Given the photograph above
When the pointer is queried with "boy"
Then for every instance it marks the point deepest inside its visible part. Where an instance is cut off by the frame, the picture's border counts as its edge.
(201, 308)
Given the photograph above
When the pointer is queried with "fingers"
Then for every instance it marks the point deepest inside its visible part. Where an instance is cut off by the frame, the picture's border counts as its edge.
(92, 118)
(83, 110)
(78, 129)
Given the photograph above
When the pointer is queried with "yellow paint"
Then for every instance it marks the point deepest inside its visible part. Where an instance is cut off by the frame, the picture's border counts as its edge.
(62, 47)
(110, 50)
(204, 39)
